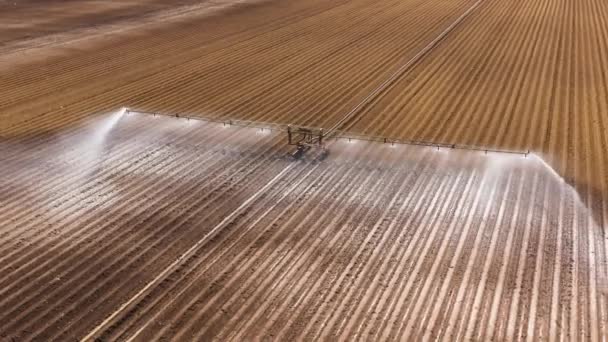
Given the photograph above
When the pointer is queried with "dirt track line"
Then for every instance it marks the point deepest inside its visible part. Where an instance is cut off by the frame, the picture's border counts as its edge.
(285, 268)
(180, 59)
(184, 257)
(401, 70)
(182, 63)
(204, 263)
(338, 70)
(283, 260)
(388, 121)
(153, 242)
(270, 86)
(144, 266)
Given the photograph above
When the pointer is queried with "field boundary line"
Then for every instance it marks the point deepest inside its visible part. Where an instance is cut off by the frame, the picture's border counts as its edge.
(397, 74)
(184, 257)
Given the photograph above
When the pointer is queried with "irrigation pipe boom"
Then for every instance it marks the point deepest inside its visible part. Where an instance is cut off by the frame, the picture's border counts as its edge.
(314, 136)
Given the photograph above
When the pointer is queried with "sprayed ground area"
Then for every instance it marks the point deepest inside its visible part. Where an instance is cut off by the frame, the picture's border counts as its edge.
(135, 227)
(533, 76)
(130, 227)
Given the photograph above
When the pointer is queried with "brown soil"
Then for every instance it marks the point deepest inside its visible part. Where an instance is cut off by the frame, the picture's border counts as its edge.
(373, 242)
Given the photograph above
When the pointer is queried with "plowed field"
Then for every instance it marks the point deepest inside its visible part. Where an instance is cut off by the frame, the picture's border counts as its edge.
(137, 227)
(30, 23)
(511, 75)
(372, 241)
(293, 61)
(518, 75)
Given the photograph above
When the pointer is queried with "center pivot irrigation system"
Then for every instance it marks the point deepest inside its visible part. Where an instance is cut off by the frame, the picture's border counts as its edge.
(305, 138)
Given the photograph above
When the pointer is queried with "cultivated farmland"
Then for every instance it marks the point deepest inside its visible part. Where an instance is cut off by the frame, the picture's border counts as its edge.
(120, 225)
(374, 240)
